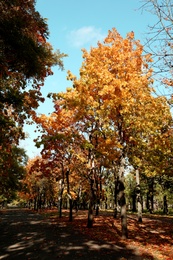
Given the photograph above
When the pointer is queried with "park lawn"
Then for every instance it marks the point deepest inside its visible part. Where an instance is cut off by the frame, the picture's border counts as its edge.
(151, 239)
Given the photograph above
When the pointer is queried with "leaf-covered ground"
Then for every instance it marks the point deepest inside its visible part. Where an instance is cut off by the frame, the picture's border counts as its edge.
(152, 239)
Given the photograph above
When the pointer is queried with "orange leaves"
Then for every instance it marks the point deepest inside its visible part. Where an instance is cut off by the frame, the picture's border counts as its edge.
(70, 76)
(112, 36)
(111, 88)
(109, 110)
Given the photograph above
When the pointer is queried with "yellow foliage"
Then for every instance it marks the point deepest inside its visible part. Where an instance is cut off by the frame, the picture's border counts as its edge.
(109, 110)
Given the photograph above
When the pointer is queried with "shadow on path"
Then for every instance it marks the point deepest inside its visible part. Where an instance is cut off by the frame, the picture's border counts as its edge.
(28, 235)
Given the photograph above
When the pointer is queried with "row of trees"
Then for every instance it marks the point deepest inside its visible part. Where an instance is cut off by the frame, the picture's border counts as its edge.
(108, 120)
(111, 118)
(156, 193)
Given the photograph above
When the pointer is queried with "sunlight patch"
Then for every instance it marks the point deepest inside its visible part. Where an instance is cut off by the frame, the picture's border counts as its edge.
(35, 222)
(17, 246)
(3, 256)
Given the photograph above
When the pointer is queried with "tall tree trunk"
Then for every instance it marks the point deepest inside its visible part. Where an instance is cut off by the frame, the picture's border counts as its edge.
(71, 209)
(150, 196)
(165, 205)
(61, 189)
(149, 202)
(39, 200)
(60, 207)
(78, 200)
(99, 194)
(106, 202)
(29, 204)
(123, 216)
(92, 192)
(115, 195)
(134, 202)
(35, 203)
(91, 205)
(138, 196)
(97, 208)
(122, 199)
(69, 196)
(90, 214)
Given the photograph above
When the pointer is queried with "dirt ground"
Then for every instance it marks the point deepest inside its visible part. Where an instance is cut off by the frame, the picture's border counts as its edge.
(25, 234)
(151, 239)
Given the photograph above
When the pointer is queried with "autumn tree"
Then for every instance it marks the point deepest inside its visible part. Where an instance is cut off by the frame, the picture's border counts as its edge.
(147, 148)
(92, 146)
(59, 140)
(109, 113)
(114, 84)
(24, 34)
(39, 186)
(26, 59)
(12, 171)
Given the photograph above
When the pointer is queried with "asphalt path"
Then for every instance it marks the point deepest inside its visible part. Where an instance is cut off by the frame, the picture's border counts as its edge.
(28, 235)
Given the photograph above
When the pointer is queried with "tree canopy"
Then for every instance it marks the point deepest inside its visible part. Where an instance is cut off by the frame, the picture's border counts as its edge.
(23, 37)
(109, 118)
(26, 59)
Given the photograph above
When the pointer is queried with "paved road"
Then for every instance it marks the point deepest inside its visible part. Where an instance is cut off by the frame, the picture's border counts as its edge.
(26, 235)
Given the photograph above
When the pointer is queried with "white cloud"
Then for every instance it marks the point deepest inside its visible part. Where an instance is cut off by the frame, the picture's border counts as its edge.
(84, 36)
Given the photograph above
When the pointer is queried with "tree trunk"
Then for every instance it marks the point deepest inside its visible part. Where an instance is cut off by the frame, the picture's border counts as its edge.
(149, 203)
(150, 196)
(122, 199)
(165, 205)
(115, 196)
(69, 197)
(98, 188)
(71, 209)
(61, 189)
(134, 203)
(60, 207)
(123, 216)
(106, 203)
(138, 196)
(35, 203)
(97, 209)
(91, 205)
(39, 201)
(90, 214)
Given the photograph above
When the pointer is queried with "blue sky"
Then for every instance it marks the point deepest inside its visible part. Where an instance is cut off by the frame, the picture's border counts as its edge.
(78, 24)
